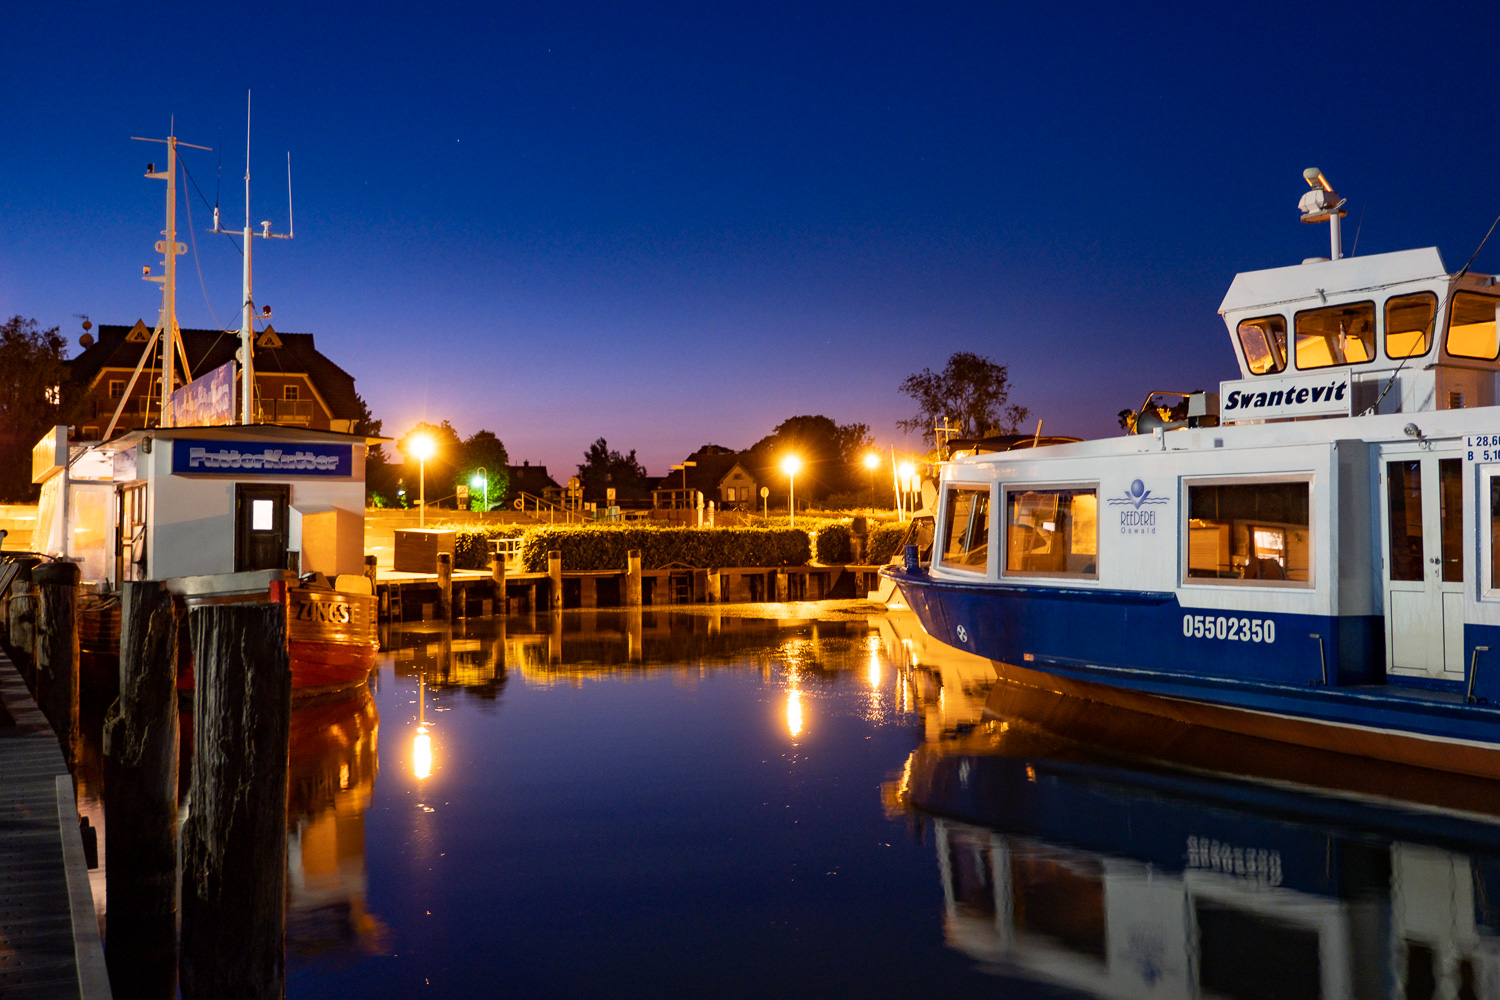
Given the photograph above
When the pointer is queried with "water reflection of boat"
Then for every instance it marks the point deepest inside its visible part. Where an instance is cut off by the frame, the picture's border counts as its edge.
(1067, 868)
(331, 776)
(946, 686)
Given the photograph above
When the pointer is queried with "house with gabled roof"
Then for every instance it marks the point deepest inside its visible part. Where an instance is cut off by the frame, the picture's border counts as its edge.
(718, 473)
(295, 384)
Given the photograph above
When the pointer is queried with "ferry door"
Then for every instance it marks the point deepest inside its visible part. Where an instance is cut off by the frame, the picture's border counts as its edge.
(1422, 532)
(260, 525)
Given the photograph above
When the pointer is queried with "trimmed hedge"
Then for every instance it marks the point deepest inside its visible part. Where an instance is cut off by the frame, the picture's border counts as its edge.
(604, 547)
(471, 543)
(884, 538)
(833, 543)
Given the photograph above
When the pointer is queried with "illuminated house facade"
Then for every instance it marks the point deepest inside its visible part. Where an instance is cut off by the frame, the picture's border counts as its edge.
(295, 384)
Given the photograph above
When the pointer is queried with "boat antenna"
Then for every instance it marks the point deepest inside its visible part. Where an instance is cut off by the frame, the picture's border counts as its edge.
(246, 353)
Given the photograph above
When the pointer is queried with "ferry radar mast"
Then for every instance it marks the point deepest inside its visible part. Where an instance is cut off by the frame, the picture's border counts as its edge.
(1322, 204)
(246, 353)
(166, 326)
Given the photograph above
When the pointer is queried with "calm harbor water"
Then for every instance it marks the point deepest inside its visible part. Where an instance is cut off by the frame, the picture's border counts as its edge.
(724, 803)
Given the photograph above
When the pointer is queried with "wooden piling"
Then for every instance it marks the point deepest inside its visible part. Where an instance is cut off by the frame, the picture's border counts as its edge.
(22, 625)
(55, 585)
(713, 587)
(234, 840)
(372, 573)
(782, 593)
(445, 586)
(497, 581)
(140, 799)
(633, 578)
(554, 577)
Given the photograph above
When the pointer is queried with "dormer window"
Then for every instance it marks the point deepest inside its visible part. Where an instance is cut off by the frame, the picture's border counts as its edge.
(290, 393)
(1337, 335)
(1264, 343)
(1408, 324)
(1471, 327)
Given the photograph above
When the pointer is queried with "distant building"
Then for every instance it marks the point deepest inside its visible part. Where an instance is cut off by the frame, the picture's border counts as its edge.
(533, 479)
(719, 474)
(295, 384)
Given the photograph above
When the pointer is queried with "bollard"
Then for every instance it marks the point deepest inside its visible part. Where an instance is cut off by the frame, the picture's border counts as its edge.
(140, 799)
(234, 840)
(371, 573)
(554, 576)
(55, 586)
(633, 578)
(445, 586)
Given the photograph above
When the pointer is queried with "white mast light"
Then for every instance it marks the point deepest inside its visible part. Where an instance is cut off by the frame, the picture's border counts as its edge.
(1322, 204)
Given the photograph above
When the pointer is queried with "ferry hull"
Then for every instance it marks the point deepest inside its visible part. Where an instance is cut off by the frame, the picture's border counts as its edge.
(1129, 652)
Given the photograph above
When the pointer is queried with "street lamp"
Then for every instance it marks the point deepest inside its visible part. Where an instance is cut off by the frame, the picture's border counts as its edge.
(422, 446)
(903, 480)
(482, 479)
(871, 461)
(790, 465)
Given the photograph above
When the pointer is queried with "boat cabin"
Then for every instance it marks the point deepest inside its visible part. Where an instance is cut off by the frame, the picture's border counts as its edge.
(196, 501)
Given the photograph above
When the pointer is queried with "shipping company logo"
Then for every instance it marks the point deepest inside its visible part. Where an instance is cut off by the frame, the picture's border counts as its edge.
(1134, 520)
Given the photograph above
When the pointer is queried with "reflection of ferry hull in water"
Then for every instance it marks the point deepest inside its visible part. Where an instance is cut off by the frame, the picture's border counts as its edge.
(1078, 873)
(1324, 569)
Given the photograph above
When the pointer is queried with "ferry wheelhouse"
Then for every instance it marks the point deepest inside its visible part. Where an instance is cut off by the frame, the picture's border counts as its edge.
(1311, 554)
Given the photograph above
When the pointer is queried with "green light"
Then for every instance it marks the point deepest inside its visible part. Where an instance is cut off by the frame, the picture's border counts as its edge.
(477, 482)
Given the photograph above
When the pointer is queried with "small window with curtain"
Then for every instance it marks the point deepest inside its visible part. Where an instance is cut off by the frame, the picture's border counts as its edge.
(1264, 343)
(966, 520)
(1408, 324)
(1052, 531)
(1336, 335)
(1471, 327)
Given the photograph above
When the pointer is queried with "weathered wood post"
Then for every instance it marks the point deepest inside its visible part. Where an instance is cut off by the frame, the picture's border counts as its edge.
(497, 580)
(445, 586)
(234, 840)
(372, 572)
(55, 585)
(782, 591)
(554, 576)
(633, 578)
(140, 799)
(22, 624)
(713, 590)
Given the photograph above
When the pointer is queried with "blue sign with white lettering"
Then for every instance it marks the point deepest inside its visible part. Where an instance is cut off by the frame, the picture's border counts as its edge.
(261, 458)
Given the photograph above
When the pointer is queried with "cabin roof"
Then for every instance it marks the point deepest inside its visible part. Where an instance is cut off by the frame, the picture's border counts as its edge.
(1279, 286)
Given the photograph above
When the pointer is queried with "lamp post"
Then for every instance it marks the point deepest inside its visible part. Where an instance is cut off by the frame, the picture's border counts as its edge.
(871, 460)
(903, 480)
(421, 445)
(790, 465)
(482, 480)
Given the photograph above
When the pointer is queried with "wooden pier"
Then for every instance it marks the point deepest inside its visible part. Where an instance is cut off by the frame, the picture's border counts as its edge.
(49, 934)
(475, 594)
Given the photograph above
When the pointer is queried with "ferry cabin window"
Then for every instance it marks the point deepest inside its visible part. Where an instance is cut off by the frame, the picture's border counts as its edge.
(1337, 335)
(1264, 343)
(1249, 532)
(1471, 327)
(1052, 532)
(967, 523)
(1408, 324)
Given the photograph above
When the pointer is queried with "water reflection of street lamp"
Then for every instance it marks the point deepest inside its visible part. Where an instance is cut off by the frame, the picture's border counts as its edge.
(422, 446)
(794, 712)
(421, 747)
(482, 479)
(790, 465)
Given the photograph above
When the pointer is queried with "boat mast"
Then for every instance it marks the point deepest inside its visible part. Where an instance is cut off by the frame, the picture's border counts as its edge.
(246, 353)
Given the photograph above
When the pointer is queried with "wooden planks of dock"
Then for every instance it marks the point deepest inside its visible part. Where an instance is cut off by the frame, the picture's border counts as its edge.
(49, 934)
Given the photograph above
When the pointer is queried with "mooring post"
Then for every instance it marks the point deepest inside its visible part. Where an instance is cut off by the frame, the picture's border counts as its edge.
(554, 576)
(22, 625)
(783, 592)
(56, 587)
(497, 580)
(140, 799)
(713, 590)
(234, 840)
(445, 586)
(633, 578)
(372, 572)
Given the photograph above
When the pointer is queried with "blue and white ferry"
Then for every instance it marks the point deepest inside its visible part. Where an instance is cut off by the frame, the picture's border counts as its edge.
(1311, 555)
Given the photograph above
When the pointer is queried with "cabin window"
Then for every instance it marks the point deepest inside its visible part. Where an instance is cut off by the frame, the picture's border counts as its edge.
(116, 388)
(1254, 533)
(1337, 335)
(1471, 327)
(1264, 343)
(1052, 532)
(289, 392)
(1408, 324)
(967, 519)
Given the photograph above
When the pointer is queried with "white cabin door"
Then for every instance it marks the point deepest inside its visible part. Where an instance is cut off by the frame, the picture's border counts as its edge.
(1422, 529)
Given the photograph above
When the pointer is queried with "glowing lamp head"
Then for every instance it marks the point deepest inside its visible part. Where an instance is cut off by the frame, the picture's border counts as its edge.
(907, 470)
(791, 465)
(477, 482)
(421, 446)
(871, 460)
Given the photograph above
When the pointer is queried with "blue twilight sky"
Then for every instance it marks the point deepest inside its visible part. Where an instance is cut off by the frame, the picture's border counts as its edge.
(674, 224)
